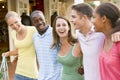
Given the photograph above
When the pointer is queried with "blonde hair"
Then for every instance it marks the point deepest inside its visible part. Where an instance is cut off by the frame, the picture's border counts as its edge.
(11, 14)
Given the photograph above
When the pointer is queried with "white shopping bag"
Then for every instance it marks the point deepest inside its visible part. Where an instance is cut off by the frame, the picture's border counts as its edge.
(4, 69)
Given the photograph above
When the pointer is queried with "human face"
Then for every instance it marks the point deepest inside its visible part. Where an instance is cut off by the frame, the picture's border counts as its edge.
(39, 22)
(77, 20)
(14, 23)
(98, 22)
(62, 28)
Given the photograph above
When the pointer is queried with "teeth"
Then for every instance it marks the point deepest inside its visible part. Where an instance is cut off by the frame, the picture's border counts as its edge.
(61, 31)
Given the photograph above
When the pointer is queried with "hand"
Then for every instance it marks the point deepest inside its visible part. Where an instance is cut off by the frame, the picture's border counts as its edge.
(81, 70)
(6, 54)
(115, 36)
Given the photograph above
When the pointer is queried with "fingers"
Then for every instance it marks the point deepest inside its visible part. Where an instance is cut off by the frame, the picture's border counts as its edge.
(115, 37)
(6, 54)
(3, 54)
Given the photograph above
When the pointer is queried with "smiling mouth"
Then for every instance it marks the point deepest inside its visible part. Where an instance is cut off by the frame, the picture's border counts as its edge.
(40, 24)
(61, 31)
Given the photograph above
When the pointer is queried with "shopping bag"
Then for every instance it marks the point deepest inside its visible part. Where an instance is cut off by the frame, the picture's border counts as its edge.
(4, 69)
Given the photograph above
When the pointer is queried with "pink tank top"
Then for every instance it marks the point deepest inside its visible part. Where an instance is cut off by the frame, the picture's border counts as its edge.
(110, 63)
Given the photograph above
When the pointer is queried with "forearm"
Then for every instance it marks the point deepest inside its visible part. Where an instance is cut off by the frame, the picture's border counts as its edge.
(13, 53)
(10, 53)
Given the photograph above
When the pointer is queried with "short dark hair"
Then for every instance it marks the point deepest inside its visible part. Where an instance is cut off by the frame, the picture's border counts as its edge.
(83, 8)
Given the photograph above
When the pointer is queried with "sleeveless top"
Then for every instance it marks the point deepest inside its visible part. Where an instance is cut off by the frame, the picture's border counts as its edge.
(70, 66)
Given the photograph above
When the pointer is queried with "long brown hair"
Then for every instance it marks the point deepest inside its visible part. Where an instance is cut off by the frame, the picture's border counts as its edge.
(56, 39)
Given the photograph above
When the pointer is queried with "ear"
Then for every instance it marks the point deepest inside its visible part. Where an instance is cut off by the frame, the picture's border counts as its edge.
(104, 18)
(84, 18)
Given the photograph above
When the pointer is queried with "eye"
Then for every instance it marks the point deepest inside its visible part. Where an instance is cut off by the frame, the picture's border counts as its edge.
(58, 25)
(35, 21)
(11, 25)
(73, 16)
(16, 22)
(64, 24)
(40, 19)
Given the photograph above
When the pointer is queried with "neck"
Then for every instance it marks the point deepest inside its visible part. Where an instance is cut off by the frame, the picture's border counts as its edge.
(23, 29)
(108, 41)
(63, 41)
(86, 28)
(108, 31)
(42, 32)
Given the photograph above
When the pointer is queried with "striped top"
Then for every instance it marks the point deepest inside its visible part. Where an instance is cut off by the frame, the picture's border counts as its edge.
(47, 58)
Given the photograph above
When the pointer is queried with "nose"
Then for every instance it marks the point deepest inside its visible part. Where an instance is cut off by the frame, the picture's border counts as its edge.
(61, 28)
(71, 19)
(39, 21)
(14, 26)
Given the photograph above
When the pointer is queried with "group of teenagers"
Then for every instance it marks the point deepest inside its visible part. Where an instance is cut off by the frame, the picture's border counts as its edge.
(60, 52)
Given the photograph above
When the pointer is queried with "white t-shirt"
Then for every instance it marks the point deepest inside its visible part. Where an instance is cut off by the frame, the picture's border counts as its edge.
(91, 45)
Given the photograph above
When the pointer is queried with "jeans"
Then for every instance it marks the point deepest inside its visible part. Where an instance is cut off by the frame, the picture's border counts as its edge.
(20, 77)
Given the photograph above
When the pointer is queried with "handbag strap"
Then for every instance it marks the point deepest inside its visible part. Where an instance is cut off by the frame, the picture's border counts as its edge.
(3, 64)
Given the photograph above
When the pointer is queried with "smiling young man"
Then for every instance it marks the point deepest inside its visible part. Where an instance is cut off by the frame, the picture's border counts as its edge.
(90, 41)
(50, 68)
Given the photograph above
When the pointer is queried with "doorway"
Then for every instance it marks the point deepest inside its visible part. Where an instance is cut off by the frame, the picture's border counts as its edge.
(4, 38)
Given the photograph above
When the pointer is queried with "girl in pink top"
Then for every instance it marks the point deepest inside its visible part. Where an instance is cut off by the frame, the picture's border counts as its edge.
(110, 63)
(107, 21)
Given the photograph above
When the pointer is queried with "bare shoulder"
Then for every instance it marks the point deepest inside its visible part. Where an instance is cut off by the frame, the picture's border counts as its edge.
(77, 50)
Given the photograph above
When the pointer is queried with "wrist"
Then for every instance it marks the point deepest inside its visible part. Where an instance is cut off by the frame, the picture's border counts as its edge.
(8, 53)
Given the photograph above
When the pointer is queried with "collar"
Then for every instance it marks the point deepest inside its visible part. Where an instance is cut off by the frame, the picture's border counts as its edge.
(92, 30)
(48, 31)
